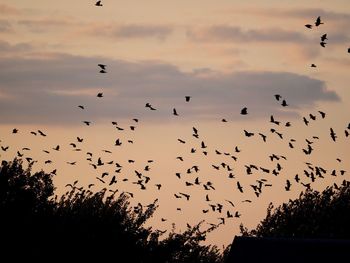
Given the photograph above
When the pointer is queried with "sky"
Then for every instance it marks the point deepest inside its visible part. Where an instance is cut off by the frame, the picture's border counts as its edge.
(225, 54)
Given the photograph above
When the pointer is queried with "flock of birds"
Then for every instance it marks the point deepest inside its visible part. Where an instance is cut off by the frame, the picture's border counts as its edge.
(323, 37)
(224, 209)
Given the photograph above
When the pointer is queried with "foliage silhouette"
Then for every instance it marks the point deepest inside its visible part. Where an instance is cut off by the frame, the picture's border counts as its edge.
(313, 215)
(81, 225)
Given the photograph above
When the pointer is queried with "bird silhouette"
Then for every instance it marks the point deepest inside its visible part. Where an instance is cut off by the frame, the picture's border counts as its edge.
(333, 134)
(81, 107)
(323, 44)
(323, 115)
(175, 112)
(87, 123)
(100, 95)
(324, 37)
(41, 133)
(149, 106)
(318, 21)
(98, 3)
(278, 97)
(244, 111)
(239, 187)
(313, 65)
(308, 26)
(187, 98)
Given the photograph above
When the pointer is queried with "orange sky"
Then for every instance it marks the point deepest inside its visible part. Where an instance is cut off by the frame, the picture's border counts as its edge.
(225, 54)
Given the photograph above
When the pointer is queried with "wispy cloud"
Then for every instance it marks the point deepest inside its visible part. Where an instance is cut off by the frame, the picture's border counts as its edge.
(7, 48)
(5, 26)
(49, 90)
(9, 10)
(132, 31)
(235, 33)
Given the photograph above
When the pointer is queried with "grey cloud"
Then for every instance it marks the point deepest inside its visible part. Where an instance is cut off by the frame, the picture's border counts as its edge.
(140, 31)
(46, 91)
(160, 32)
(235, 33)
(219, 33)
(9, 10)
(7, 48)
(5, 26)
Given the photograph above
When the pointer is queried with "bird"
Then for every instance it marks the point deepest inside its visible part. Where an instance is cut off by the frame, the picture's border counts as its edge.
(98, 3)
(333, 134)
(323, 44)
(81, 107)
(57, 148)
(41, 133)
(118, 142)
(187, 98)
(149, 106)
(80, 139)
(102, 66)
(240, 188)
(248, 134)
(323, 115)
(284, 103)
(181, 141)
(313, 65)
(324, 37)
(288, 185)
(15, 130)
(308, 26)
(244, 111)
(4, 148)
(175, 112)
(263, 136)
(318, 21)
(278, 97)
(87, 122)
(312, 117)
(100, 95)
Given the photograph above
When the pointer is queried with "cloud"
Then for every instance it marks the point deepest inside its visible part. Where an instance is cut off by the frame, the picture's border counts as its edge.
(47, 24)
(5, 26)
(235, 33)
(49, 90)
(130, 31)
(7, 48)
(9, 10)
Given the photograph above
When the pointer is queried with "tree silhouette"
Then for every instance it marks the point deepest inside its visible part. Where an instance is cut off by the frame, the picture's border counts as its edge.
(83, 225)
(314, 214)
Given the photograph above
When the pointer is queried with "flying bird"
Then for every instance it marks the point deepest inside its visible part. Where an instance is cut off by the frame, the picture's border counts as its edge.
(324, 37)
(98, 3)
(333, 134)
(308, 26)
(244, 111)
(318, 21)
(100, 95)
(175, 112)
(187, 98)
(278, 96)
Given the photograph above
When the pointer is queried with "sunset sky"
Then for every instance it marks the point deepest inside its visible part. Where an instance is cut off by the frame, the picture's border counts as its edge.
(225, 54)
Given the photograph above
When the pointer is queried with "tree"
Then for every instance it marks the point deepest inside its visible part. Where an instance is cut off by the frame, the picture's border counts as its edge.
(313, 215)
(83, 225)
